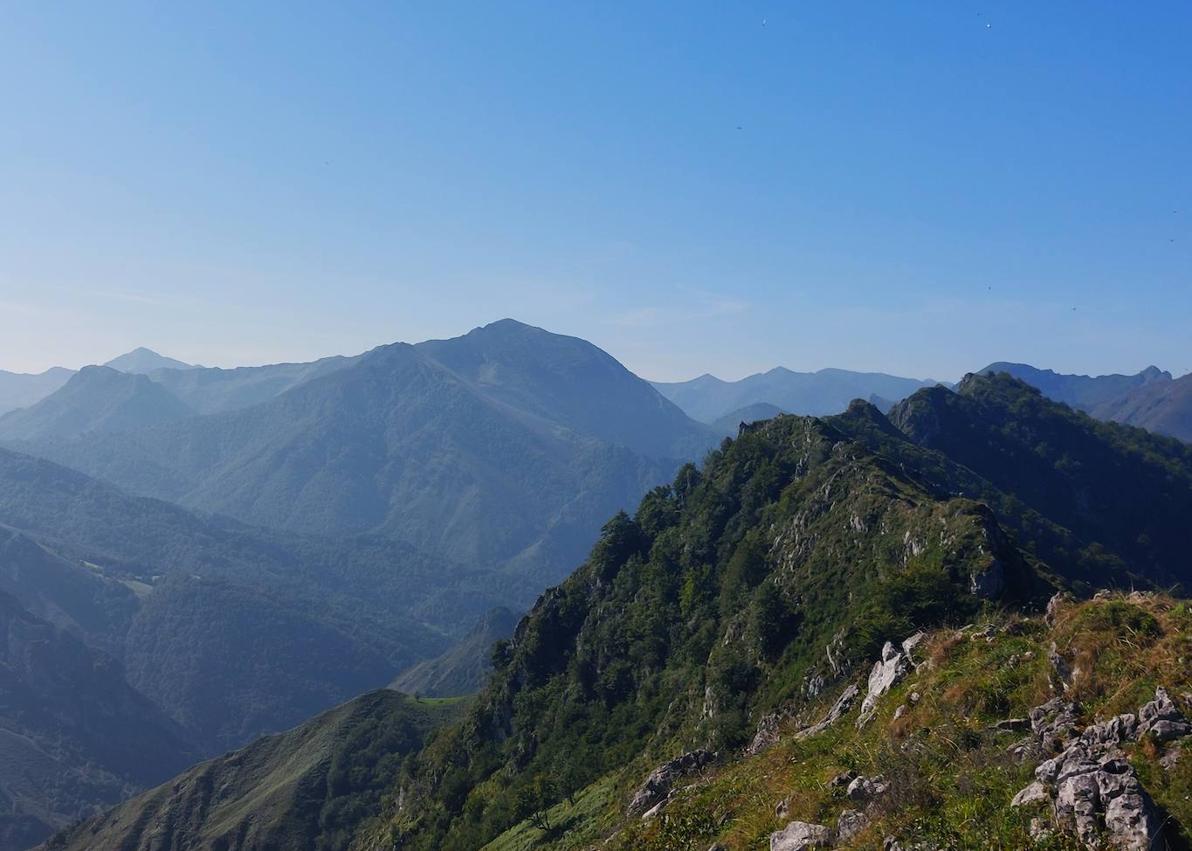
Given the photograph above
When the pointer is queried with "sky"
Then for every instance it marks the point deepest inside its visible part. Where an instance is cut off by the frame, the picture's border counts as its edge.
(917, 188)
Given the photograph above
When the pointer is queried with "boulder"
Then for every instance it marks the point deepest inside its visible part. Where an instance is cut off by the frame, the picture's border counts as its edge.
(850, 824)
(1035, 793)
(662, 779)
(864, 789)
(842, 705)
(800, 835)
(1161, 719)
(895, 663)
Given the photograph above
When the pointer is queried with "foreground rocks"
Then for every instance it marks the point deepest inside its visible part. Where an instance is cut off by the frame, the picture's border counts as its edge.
(1090, 788)
(657, 787)
(896, 663)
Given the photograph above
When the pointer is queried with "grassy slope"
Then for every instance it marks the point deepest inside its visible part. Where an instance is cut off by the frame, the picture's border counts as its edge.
(952, 775)
(304, 789)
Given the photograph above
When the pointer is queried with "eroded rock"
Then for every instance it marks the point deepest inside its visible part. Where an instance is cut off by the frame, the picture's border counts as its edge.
(801, 835)
(895, 663)
(662, 779)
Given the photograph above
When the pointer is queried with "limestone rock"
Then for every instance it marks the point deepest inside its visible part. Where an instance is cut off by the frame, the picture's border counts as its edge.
(1162, 719)
(1033, 794)
(842, 705)
(850, 823)
(864, 789)
(800, 835)
(662, 779)
(893, 666)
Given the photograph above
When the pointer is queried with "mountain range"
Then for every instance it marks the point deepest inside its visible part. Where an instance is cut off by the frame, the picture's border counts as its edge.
(242, 549)
(827, 391)
(700, 666)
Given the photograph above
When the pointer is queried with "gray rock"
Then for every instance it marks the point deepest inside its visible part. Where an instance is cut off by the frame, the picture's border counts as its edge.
(1035, 793)
(988, 583)
(800, 835)
(1013, 724)
(662, 779)
(849, 824)
(1060, 667)
(1162, 719)
(865, 789)
(842, 705)
(887, 671)
(1053, 606)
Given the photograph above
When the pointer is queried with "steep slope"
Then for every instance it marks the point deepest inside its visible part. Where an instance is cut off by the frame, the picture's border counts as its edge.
(234, 631)
(304, 789)
(142, 361)
(1163, 407)
(1083, 392)
(95, 399)
(460, 463)
(20, 390)
(74, 736)
(707, 610)
(1119, 491)
(463, 669)
(827, 391)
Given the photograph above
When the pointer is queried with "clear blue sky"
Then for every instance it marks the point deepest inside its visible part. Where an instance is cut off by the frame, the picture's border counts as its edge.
(914, 187)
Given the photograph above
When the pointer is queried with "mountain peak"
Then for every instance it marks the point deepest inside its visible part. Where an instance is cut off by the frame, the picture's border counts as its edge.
(142, 360)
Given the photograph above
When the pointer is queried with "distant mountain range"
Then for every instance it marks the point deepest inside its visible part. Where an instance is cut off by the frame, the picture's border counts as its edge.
(828, 391)
(1151, 399)
(141, 361)
(499, 448)
(464, 668)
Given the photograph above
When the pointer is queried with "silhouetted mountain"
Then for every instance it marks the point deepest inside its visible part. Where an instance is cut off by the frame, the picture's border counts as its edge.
(463, 669)
(143, 361)
(74, 736)
(20, 390)
(827, 391)
(1164, 407)
(95, 399)
(304, 790)
(493, 449)
(731, 422)
(1083, 392)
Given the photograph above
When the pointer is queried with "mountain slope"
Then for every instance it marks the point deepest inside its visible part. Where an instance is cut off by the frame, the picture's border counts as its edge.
(74, 736)
(454, 448)
(1163, 407)
(142, 361)
(291, 791)
(731, 422)
(827, 391)
(1118, 488)
(463, 669)
(235, 631)
(20, 390)
(742, 601)
(1083, 392)
(95, 399)
(210, 390)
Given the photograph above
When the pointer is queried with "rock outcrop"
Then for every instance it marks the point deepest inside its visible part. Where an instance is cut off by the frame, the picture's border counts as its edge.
(801, 835)
(896, 663)
(658, 785)
(1093, 791)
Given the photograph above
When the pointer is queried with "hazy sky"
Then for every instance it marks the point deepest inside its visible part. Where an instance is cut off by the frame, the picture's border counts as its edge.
(915, 187)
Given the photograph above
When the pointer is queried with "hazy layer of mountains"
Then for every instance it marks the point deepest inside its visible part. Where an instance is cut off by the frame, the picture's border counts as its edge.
(241, 549)
(705, 633)
(827, 391)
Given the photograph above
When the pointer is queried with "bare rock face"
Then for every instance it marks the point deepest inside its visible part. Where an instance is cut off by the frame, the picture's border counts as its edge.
(800, 835)
(1162, 719)
(850, 824)
(1094, 792)
(658, 785)
(842, 705)
(896, 663)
